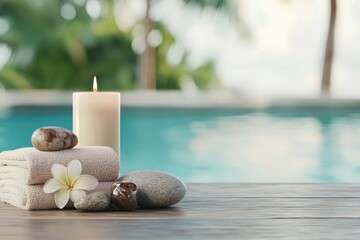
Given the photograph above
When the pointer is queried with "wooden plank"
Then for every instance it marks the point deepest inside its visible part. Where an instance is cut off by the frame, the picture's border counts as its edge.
(268, 190)
(185, 229)
(218, 211)
(229, 208)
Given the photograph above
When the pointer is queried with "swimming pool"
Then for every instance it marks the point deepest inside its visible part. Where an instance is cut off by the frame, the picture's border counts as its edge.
(220, 145)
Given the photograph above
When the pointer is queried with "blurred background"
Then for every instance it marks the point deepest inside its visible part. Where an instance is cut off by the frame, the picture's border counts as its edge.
(261, 91)
(275, 47)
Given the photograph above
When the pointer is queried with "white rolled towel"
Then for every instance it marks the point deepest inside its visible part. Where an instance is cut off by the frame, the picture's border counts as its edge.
(31, 166)
(32, 197)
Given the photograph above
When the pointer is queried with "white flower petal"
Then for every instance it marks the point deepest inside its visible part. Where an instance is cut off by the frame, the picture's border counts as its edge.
(85, 182)
(62, 197)
(59, 172)
(73, 170)
(52, 185)
(76, 195)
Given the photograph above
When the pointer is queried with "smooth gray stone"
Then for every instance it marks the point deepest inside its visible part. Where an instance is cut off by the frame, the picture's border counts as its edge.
(156, 189)
(53, 139)
(97, 201)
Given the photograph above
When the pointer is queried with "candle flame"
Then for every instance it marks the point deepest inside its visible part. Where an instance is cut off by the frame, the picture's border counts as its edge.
(95, 88)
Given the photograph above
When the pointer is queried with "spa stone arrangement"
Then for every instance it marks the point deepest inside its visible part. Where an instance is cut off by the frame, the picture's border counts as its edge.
(48, 175)
(81, 169)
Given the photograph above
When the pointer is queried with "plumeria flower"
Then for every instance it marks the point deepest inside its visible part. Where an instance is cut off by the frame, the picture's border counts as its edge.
(68, 183)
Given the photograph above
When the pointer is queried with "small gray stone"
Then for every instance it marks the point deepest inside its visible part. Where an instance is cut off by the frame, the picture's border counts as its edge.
(156, 189)
(97, 201)
(53, 139)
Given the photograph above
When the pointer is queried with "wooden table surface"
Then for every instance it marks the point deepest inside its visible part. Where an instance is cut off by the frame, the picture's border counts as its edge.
(209, 211)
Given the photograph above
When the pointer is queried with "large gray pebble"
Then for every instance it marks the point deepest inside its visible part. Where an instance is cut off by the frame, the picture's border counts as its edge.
(97, 201)
(53, 139)
(156, 189)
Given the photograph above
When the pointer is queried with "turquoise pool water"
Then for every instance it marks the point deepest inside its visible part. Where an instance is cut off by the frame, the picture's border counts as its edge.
(217, 145)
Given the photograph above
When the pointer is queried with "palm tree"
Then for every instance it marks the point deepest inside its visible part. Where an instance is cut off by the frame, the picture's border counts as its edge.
(147, 60)
(329, 52)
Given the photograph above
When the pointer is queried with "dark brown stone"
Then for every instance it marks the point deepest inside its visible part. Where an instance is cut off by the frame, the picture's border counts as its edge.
(123, 195)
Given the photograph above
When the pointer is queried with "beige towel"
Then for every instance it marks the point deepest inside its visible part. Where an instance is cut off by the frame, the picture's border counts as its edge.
(32, 166)
(32, 197)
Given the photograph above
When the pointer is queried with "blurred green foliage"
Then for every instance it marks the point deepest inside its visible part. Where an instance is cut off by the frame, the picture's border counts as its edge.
(50, 52)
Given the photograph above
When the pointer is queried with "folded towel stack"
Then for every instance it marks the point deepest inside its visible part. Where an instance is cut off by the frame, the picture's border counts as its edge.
(24, 171)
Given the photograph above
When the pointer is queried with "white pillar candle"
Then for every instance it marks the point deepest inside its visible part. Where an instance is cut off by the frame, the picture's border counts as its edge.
(96, 118)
